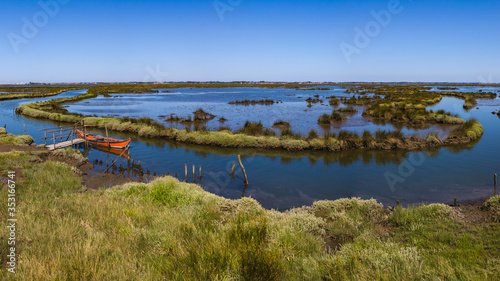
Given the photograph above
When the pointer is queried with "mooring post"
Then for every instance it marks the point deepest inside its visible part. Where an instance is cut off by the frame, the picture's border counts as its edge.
(54, 136)
(107, 136)
(45, 136)
(84, 132)
(495, 180)
(200, 172)
(194, 173)
(243, 168)
(186, 171)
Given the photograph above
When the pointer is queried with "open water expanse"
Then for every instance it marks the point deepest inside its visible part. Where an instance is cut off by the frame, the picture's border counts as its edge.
(283, 180)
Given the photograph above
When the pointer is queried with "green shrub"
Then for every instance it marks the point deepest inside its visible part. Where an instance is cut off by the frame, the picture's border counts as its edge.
(493, 205)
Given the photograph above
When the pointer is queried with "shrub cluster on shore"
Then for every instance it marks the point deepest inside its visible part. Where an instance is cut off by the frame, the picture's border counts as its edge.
(32, 92)
(18, 140)
(168, 230)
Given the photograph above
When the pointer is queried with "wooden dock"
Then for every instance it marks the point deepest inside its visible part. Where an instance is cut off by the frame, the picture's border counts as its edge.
(64, 144)
(60, 137)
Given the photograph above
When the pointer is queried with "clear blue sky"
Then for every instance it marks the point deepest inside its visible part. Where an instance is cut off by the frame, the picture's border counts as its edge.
(87, 41)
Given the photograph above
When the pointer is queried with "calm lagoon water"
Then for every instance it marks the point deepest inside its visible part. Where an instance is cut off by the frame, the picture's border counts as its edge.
(283, 180)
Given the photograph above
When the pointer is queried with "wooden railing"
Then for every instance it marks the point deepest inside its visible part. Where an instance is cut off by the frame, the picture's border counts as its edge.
(59, 133)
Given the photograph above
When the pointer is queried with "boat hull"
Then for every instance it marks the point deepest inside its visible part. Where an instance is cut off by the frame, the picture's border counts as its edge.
(105, 142)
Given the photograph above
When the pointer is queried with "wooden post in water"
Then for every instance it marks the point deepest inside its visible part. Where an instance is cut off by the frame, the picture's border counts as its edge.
(495, 180)
(54, 137)
(24, 125)
(200, 173)
(84, 132)
(107, 136)
(60, 132)
(186, 171)
(243, 168)
(455, 202)
(45, 136)
(194, 173)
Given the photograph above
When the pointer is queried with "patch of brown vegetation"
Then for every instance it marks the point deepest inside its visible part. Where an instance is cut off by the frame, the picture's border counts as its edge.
(473, 214)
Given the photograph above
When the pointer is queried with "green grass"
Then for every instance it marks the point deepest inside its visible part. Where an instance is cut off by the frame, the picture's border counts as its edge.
(493, 205)
(455, 250)
(471, 129)
(168, 230)
(20, 140)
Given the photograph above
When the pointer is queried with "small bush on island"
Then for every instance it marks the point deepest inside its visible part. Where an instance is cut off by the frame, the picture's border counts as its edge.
(281, 124)
(201, 114)
(471, 129)
(348, 109)
(253, 102)
(312, 135)
(334, 101)
(255, 129)
(326, 119)
(311, 100)
(289, 133)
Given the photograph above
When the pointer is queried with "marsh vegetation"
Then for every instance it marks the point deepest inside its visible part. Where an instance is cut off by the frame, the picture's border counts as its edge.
(405, 105)
(119, 233)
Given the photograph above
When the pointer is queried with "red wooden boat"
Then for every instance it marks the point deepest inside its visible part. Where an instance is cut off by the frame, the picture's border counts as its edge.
(103, 141)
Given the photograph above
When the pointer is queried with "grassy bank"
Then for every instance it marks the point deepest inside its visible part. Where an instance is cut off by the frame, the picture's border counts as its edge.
(32, 92)
(175, 231)
(9, 139)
